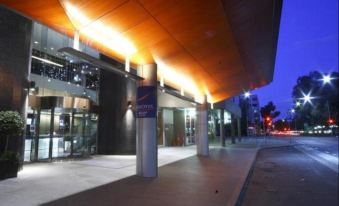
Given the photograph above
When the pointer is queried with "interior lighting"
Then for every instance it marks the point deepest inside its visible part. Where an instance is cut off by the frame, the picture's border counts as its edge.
(176, 79)
(47, 61)
(127, 67)
(36, 42)
(182, 91)
(162, 81)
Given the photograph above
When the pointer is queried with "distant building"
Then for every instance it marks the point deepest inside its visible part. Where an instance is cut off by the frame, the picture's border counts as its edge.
(251, 117)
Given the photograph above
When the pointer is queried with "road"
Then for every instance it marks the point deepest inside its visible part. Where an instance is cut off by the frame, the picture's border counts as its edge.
(286, 176)
(322, 149)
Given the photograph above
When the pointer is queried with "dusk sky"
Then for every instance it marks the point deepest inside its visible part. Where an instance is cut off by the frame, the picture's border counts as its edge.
(308, 41)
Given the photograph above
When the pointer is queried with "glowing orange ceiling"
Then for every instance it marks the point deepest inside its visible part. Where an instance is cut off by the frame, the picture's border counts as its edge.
(191, 41)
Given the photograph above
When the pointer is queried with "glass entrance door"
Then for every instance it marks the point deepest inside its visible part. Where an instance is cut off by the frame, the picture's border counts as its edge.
(61, 133)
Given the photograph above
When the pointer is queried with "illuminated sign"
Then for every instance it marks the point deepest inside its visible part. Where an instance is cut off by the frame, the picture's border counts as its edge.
(146, 102)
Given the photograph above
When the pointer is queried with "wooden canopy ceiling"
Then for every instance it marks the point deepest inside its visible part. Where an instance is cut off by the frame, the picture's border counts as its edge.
(192, 41)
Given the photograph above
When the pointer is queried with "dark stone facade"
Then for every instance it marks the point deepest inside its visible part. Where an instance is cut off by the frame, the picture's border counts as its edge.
(15, 51)
(117, 122)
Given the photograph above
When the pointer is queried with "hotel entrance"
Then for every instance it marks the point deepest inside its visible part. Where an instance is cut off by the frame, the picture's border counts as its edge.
(56, 128)
(176, 121)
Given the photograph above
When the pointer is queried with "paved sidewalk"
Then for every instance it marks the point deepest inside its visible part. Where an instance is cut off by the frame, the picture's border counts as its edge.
(214, 180)
(184, 179)
(43, 182)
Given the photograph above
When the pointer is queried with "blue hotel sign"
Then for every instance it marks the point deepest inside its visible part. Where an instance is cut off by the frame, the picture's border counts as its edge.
(146, 102)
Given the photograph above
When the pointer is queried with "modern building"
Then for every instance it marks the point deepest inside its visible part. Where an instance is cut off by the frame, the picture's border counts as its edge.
(250, 107)
(124, 77)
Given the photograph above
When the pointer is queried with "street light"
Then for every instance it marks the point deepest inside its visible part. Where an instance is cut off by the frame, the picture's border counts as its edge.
(327, 79)
(307, 98)
(247, 95)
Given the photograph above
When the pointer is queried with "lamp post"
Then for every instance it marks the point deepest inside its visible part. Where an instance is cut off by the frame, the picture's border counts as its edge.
(327, 80)
(247, 101)
(295, 121)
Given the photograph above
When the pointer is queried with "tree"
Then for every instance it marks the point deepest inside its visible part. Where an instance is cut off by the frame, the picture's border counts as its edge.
(323, 104)
(269, 111)
(11, 125)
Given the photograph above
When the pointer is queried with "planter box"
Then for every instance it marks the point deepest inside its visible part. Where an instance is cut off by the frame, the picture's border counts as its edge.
(8, 169)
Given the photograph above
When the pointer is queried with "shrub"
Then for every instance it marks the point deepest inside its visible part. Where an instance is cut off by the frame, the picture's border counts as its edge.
(11, 125)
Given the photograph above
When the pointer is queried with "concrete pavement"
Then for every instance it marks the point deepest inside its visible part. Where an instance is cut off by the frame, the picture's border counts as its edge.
(214, 180)
(38, 183)
(184, 178)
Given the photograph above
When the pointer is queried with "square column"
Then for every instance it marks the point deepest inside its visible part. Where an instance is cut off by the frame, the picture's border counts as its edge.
(202, 129)
(147, 150)
(222, 134)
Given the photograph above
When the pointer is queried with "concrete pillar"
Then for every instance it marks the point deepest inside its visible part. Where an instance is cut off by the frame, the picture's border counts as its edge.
(238, 122)
(232, 129)
(76, 40)
(202, 129)
(147, 150)
(239, 127)
(222, 134)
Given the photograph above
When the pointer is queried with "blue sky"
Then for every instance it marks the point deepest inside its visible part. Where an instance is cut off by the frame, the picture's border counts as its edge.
(308, 41)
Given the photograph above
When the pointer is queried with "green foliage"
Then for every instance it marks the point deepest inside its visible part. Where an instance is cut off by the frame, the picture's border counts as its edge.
(11, 156)
(11, 124)
(324, 103)
(269, 111)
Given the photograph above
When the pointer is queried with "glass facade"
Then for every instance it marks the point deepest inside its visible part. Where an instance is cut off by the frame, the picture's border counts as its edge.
(176, 126)
(66, 129)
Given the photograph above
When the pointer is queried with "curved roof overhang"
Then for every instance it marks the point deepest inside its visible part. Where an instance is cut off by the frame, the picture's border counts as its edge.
(218, 47)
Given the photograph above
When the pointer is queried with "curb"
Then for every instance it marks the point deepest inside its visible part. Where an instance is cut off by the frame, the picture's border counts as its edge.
(247, 180)
(250, 173)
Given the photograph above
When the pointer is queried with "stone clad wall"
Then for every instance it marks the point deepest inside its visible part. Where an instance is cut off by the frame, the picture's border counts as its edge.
(15, 51)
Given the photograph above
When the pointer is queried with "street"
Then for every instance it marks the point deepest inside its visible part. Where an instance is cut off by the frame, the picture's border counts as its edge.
(322, 149)
(287, 176)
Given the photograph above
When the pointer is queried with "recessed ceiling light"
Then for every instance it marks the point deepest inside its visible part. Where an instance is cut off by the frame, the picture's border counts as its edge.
(36, 42)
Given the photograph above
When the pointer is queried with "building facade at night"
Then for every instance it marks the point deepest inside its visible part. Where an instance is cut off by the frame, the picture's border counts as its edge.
(125, 77)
